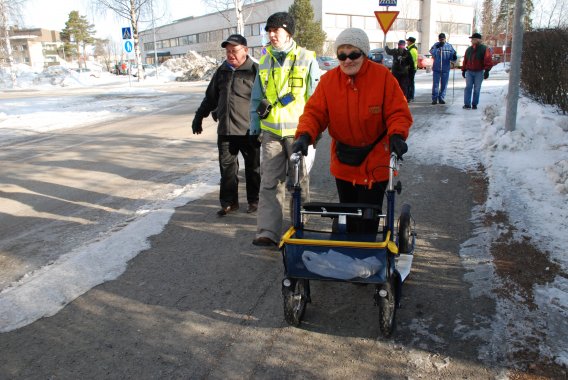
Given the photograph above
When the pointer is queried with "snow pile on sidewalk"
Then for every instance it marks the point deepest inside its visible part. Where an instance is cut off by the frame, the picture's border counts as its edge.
(193, 66)
(59, 76)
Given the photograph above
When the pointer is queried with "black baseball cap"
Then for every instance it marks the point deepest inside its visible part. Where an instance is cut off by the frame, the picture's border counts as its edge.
(476, 35)
(235, 39)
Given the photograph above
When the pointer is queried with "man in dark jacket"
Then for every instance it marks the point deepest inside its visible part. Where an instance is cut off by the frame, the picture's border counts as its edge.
(228, 99)
(401, 64)
(477, 62)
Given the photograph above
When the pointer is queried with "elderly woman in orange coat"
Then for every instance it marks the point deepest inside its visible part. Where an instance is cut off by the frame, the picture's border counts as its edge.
(367, 116)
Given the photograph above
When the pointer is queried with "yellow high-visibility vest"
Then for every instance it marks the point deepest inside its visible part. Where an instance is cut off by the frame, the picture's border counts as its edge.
(278, 82)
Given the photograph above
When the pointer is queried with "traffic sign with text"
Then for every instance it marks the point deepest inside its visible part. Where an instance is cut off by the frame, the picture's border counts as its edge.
(387, 3)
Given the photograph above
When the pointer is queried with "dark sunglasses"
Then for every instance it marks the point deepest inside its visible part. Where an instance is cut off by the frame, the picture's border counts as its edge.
(353, 56)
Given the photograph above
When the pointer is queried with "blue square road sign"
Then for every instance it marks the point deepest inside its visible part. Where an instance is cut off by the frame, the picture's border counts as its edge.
(127, 33)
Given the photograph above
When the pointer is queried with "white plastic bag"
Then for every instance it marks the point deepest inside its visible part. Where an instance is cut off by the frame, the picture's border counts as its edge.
(336, 265)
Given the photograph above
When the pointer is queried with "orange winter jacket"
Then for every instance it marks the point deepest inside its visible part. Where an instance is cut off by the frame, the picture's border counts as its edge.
(356, 111)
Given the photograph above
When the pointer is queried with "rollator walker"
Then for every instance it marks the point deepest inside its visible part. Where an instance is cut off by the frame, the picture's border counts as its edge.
(383, 259)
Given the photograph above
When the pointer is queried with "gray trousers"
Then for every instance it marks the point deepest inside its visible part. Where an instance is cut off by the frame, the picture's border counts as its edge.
(276, 175)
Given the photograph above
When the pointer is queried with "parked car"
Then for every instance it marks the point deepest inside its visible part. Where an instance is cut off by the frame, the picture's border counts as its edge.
(87, 72)
(327, 63)
(496, 59)
(380, 56)
(425, 61)
(134, 68)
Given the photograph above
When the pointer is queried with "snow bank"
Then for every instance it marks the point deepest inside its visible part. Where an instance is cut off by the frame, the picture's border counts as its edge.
(193, 67)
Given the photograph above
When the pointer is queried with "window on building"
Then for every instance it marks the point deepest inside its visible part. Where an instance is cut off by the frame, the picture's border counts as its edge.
(358, 22)
(173, 42)
(342, 21)
(464, 29)
(248, 30)
(184, 40)
(405, 24)
(453, 28)
(371, 23)
(337, 21)
(255, 30)
(166, 43)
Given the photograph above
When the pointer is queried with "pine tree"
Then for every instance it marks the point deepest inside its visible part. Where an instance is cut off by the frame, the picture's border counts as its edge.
(506, 12)
(309, 33)
(79, 32)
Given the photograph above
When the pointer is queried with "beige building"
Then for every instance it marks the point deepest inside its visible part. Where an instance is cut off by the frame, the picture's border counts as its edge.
(38, 48)
(422, 19)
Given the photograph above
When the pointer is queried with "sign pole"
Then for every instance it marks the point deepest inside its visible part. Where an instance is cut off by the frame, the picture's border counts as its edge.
(385, 35)
(386, 18)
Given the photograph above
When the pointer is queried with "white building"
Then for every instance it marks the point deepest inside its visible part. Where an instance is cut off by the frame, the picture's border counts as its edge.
(37, 47)
(422, 19)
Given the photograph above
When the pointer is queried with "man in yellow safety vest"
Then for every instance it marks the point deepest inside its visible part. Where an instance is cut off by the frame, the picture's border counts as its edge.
(288, 75)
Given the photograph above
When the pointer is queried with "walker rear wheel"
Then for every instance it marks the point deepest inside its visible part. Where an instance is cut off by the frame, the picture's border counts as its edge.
(404, 230)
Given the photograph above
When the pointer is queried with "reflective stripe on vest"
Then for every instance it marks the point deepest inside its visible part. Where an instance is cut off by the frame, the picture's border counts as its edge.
(278, 81)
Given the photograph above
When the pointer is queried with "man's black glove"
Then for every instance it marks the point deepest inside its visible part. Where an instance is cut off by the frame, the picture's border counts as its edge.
(463, 73)
(486, 74)
(301, 144)
(398, 146)
(214, 115)
(253, 139)
(196, 126)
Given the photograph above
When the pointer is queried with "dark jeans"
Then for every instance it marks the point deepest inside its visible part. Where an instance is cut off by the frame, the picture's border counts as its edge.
(410, 93)
(229, 148)
(349, 193)
(402, 82)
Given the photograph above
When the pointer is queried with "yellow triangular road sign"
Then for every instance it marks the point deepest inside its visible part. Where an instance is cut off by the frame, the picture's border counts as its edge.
(386, 19)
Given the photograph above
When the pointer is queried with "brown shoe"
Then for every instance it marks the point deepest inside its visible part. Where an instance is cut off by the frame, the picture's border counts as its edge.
(225, 210)
(252, 207)
(264, 242)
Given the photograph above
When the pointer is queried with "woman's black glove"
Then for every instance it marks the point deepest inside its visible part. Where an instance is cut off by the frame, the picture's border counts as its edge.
(463, 73)
(486, 74)
(301, 144)
(398, 146)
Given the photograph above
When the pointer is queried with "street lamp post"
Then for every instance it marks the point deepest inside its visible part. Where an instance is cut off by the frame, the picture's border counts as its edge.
(154, 36)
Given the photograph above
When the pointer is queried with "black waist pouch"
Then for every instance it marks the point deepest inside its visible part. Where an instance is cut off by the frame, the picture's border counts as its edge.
(355, 155)
(352, 155)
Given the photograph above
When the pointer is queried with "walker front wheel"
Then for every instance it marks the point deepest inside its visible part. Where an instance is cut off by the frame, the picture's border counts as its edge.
(385, 299)
(296, 294)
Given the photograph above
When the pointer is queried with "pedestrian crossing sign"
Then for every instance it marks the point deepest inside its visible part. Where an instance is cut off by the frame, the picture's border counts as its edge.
(126, 33)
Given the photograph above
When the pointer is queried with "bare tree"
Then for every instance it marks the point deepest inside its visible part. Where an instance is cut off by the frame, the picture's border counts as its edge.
(487, 19)
(9, 11)
(132, 10)
(551, 14)
(222, 6)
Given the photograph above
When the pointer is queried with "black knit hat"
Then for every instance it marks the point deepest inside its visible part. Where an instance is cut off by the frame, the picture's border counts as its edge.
(281, 20)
